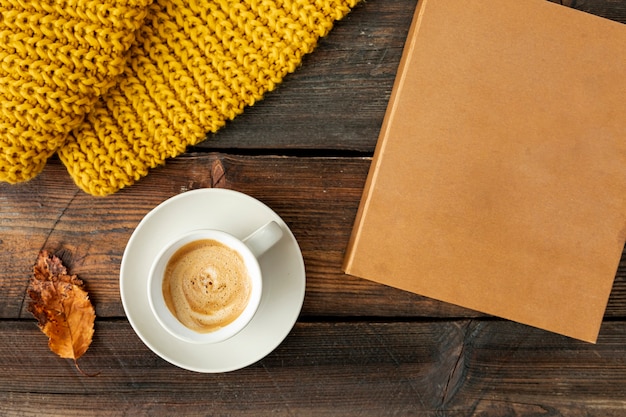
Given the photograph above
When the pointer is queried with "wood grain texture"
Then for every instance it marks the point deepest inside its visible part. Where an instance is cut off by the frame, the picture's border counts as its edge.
(455, 368)
(337, 99)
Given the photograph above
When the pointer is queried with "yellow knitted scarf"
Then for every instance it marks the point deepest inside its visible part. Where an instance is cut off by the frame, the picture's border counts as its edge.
(117, 87)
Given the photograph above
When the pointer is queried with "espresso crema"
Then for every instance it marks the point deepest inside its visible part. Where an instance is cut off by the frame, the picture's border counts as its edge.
(206, 285)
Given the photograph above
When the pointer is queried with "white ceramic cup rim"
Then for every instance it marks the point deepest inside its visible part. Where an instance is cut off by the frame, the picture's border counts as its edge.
(165, 317)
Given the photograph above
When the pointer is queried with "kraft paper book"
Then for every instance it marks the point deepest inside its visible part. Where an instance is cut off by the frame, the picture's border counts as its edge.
(499, 178)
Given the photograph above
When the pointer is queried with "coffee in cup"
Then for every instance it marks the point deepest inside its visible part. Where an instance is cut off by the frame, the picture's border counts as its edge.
(206, 285)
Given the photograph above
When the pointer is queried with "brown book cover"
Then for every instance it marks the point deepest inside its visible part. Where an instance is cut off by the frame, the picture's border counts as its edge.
(499, 178)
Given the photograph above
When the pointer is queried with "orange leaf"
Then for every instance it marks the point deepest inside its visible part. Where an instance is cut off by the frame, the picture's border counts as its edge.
(62, 307)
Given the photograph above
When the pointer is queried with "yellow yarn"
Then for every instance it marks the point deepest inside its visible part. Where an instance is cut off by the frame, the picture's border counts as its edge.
(56, 59)
(116, 95)
(194, 65)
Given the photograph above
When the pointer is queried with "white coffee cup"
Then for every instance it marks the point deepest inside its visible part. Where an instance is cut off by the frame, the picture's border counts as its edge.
(249, 249)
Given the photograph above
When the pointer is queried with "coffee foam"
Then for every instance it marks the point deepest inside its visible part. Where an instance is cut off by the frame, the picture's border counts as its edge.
(206, 285)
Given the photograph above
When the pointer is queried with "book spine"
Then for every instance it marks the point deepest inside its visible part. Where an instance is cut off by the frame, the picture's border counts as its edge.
(401, 75)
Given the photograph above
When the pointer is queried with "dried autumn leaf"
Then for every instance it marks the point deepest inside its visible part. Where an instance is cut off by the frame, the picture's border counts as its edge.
(62, 307)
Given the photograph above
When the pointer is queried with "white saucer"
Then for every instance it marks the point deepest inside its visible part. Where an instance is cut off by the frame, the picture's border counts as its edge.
(284, 278)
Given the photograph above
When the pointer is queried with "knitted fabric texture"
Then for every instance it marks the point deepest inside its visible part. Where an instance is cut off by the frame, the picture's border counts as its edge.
(56, 58)
(194, 65)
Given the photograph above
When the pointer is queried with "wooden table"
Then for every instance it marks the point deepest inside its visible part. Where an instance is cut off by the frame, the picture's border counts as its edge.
(358, 348)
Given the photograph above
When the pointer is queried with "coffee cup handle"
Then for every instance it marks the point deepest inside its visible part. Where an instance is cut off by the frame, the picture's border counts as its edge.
(261, 240)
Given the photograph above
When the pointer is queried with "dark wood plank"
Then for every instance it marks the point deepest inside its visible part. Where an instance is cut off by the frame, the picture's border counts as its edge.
(609, 9)
(453, 368)
(317, 197)
(337, 98)
(508, 370)
(29, 213)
